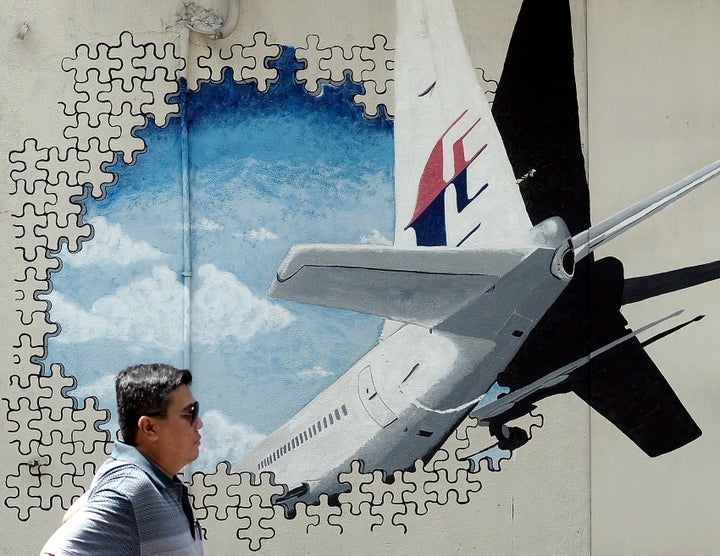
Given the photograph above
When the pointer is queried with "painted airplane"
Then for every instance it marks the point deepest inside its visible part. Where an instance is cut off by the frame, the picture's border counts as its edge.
(468, 283)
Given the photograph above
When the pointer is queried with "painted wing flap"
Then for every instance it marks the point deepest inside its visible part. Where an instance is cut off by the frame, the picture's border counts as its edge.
(419, 285)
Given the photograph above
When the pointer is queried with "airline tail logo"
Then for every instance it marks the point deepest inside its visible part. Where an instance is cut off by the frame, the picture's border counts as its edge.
(446, 162)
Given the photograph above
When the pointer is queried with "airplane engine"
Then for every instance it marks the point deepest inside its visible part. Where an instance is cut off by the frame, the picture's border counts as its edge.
(509, 438)
(553, 232)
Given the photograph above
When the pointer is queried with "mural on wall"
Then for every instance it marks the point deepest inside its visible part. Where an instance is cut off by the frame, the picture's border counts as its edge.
(470, 275)
(189, 180)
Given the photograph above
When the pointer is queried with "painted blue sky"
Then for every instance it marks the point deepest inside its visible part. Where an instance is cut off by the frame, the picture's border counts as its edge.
(266, 171)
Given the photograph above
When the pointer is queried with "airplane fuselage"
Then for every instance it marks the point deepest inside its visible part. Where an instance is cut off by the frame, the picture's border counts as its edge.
(400, 401)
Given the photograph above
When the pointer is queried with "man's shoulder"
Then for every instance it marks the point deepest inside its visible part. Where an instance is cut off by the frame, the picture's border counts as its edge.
(123, 478)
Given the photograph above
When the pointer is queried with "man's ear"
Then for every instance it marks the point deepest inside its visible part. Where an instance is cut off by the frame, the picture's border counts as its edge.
(147, 427)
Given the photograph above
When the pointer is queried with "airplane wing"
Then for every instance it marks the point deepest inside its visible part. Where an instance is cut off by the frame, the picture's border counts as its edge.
(586, 242)
(453, 182)
(419, 285)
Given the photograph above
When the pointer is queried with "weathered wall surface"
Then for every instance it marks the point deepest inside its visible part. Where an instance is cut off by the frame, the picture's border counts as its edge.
(651, 121)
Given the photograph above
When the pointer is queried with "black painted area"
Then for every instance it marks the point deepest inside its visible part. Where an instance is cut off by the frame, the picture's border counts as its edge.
(536, 111)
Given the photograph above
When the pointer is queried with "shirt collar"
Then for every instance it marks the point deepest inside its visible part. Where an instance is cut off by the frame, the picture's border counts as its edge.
(130, 454)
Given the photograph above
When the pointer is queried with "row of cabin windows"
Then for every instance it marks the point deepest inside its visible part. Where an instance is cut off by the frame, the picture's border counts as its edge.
(304, 436)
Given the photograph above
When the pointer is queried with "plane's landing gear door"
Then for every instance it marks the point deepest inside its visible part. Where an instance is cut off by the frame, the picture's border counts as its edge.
(372, 401)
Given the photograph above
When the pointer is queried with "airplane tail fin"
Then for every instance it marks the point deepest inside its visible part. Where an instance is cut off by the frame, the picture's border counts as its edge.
(454, 185)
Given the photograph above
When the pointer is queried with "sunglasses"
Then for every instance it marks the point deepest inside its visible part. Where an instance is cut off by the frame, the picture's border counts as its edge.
(193, 414)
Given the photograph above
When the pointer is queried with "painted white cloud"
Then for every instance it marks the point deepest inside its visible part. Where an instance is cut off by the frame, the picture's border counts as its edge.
(146, 313)
(316, 372)
(375, 238)
(111, 245)
(77, 323)
(225, 308)
(223, 441)
(203, 225)
(262, 235)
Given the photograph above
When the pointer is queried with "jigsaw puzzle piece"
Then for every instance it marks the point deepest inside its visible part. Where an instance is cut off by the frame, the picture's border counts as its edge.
(255, 520)
(18, 419)
(322, 513)
(18, 488)
(260, 52)
(26, 167)
(262, 489)
(161, 89)
(90, 438)
(418, 498)
(377, 80)
(93, 98)
(313, 74)
(126, 52)
(199, 66)
(83, 134)
(391, 504)
(356, 497)
(128, 143)
(87, 59)
(214, 491)
(27, 354)
(96, 177)
(342, 67)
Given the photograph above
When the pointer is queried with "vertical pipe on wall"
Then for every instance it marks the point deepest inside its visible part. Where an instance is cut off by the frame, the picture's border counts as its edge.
(231, 19)
(229, 25)
(185, 167)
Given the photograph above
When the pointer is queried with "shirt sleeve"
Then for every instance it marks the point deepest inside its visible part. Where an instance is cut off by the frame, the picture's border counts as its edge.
(105, 526)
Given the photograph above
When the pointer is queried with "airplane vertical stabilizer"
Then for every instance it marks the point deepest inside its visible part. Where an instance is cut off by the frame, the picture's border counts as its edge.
(453, 182)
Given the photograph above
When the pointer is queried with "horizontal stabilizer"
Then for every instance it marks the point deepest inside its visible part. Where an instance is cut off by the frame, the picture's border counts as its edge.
(645, 287)
(586, 242)
(418, 285)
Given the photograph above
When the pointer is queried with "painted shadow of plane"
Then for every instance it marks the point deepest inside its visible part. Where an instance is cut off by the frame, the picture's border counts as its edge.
(542, 137)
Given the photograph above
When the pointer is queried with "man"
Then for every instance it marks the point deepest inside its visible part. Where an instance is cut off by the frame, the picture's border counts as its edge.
(136, 504)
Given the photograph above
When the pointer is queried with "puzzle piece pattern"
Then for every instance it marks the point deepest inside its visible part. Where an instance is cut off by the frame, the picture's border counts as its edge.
(249, 63)
(236, 506)
(117, 89)
(369, 65)
(375, 501)
(481, 447)
(58, 444)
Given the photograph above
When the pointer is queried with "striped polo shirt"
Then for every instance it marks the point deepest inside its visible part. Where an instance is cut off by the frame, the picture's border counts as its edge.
(133, 509)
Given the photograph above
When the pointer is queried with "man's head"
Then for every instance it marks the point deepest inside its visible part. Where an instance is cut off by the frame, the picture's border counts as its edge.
(158, 414)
